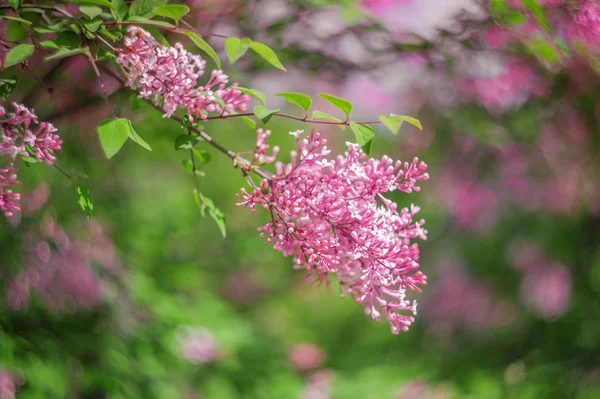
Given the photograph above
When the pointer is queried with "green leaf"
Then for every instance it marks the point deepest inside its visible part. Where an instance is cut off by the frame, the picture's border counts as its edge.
(213, 211)
(538, 13)
(65, 52)
(18, 54)
(186, 142)
(350, 14)
(136, 138)
(338, 102)
(91, 11)
(156, 33)
(260, 96)
(7, 86)
(393, 123)
(172, 11)
(364, 136)
(122, 8)
(269, 55)
(265, 114)
(299, 99)
(202, 156)
(51, 44)
(15, 4)
(144, 7)
(144, 20)
(15, 31)
(85, 201)
(101, 3)
(92, 25)
(323, 116)
(113, 134)
(204, 46)
(412, 121)
(236, 48)
(249, 121)
(68, 39)
(21, 20)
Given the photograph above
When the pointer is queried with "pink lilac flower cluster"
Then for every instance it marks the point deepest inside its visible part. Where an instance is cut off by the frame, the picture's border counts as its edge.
(172, 73)
(58, 270)
(332, 217)
(22, 133)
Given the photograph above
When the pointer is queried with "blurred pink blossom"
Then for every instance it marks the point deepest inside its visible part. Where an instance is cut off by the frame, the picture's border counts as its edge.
(7, 385)
(306, 356)
(548, 291)
(318, 386)
(198, 345)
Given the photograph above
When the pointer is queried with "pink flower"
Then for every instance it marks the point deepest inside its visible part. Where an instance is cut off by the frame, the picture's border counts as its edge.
(547, 291)
(198, 345)
(318, 386)
(332, 217)
(306, 356)
(7, 386)
(22, 134)
(587, 20)
(9, 201)
(171, 74)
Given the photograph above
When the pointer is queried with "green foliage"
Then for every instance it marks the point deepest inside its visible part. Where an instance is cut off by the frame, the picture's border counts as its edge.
(8, 84)
(186, 142)
(113, 134)
(18, 54)
(265, 114)
(236, 48)
(143, 8)
(172, 11)
(267, 54)
(204, 46)
(338, 102)
(538, 13)
(91, 11)
(85, 200)
(299, 99)
(64, 52)
(364, 136)
(260, 96)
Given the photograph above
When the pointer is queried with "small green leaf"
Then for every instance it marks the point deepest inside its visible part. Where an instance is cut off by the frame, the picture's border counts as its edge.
(21, 20)
(249, 121)
(18, 54)
(364, 136)
(236, 48)
(204, 46)
(113, 134)
(269, 55)
(260, 96)
(68, 39)
(265, 114)
(323, 116)
(136, 138)
(213, 211)
(393, 123)
(172, 11)
(65, 52)
(51, 44)
(412, 121)
(350, 14)
(122, 9)
(538, 13)
(101, 3)
(144, 8)
(7, 86)
(299, 99)
(85, 201)
(92, 25)
(144, 20)
(185, 142)
(15, 4)
(15, 31)
(338, 102)
(91, 11)
(202, 156)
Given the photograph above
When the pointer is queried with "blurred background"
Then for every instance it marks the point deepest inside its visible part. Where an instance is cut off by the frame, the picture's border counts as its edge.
(148, 300)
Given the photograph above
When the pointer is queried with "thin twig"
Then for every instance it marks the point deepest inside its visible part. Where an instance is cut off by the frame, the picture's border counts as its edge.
(91, 59)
